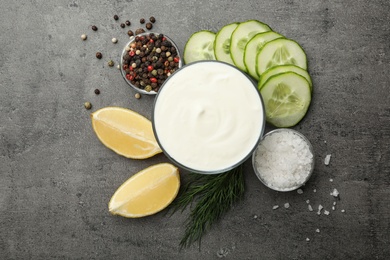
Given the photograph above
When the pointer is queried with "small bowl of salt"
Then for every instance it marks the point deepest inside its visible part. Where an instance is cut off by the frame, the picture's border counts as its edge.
(283, 160)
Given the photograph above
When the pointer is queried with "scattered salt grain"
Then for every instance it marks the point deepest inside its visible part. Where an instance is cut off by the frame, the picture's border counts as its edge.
(320, 207)
(335, 193)
(343, 210)
(287, 205)
(331, 180)
(283, 160)
(255, 216)
(327, 159)
(310, 207)
(326, 212)
(275, 207)
(315, 190)
(307, 239)
(334, 203)
(307, 201)
(318, 230)
(300, 191)
(333, 207)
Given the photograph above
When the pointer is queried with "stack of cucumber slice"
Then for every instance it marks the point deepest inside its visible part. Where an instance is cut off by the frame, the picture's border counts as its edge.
(278, 64)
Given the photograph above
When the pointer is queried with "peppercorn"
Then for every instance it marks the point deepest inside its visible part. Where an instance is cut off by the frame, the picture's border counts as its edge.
(148, 88)
(97, 91)
(149, 26)
(116, 17)
(137, 95)
(142, 20)
(130, 33)
(128, 23)
(94, 28)
(123, 25)
(99, 55)
(152, 19)
(87, 105)
(110, 63)
(83, 37)
(114, 40)
(139, 31)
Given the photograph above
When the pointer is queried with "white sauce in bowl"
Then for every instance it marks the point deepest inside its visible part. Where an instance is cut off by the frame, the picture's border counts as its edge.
(208, 117)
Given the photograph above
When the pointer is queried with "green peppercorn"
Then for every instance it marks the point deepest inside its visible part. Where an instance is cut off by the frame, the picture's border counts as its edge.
(110, 63)
(139, 30)
(148, 88)
(154, 72)
(87, 105)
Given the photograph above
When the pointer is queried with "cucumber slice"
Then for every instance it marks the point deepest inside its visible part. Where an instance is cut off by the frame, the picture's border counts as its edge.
(281, 69)
(286, 99)
(253, 46)
(200, 46)
(280, 52)
(240, 37)
(222, 43)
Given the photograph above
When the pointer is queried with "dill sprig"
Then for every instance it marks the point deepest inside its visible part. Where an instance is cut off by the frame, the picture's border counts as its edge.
(214, 196)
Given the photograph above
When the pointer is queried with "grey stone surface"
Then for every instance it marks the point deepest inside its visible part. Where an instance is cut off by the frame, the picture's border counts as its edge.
(56, 178)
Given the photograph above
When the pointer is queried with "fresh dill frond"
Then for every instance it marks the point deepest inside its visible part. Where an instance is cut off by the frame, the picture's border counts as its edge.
(214, 196)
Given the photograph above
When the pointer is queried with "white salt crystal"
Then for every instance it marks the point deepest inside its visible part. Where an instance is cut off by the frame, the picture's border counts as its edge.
(327, 159)
(287, 205)
(333, 208)
(343, 210)
(307, 239)
(255, 216)
(310, 207)
(326, 212)
(315, 190)
(320, 207)
(335, 193)
(331, 180)
(318, 230)
(283, 160)
(334, 203)
(275, 207)
(307, 201)
(300, 191)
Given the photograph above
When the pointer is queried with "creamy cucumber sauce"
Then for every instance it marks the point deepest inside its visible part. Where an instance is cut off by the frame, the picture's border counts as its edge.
(208, 117)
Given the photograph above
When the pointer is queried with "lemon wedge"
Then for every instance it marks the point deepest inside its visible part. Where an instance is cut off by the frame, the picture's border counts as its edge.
(147, 192)
(125, 132)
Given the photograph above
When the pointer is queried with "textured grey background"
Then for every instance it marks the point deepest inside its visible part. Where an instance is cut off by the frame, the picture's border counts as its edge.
(56, 178)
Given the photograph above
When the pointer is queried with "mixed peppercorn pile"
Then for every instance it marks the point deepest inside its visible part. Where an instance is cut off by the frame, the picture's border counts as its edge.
(149, 60)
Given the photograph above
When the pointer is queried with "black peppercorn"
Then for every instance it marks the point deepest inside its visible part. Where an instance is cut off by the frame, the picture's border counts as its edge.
(152, 19)
(97, 91)
(142, 20)
(128, 23)
(99, 55)
(116, 17)
(123, 25)
(130, 33)
(94, 28)
(149, 26)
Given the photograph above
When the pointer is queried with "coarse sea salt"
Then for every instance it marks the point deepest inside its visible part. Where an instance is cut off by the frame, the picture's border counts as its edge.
(283, 160)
